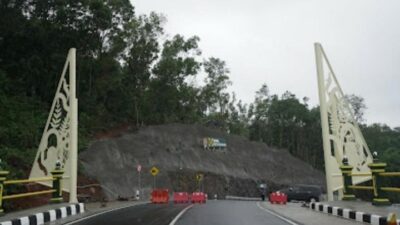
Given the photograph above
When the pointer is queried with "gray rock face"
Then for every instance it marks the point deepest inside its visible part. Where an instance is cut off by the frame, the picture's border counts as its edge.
(177, 150)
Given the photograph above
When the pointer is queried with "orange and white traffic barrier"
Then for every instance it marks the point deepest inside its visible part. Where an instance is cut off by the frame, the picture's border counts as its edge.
(278, 198)
(198, 197)
(181, 197)
(160, 196)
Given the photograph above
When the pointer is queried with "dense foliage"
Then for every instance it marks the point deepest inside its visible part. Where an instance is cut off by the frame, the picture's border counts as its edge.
(130, 72)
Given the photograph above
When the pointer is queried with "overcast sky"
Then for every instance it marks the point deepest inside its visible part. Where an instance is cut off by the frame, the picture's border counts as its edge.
(271, 41)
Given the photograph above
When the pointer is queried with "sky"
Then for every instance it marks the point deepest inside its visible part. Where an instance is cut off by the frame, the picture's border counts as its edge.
(271, 41)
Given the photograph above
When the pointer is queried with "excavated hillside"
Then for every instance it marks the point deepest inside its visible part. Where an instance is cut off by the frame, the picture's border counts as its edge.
(177, 150)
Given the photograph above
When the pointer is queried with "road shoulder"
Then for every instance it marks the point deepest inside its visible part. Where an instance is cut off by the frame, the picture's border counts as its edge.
(302, 215)
(93, 209)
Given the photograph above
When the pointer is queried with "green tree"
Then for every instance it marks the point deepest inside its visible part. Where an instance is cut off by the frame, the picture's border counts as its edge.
(217, 81)
(358, 106)
(165, 99)
(259, 115)
(143, 48)
(238, 120)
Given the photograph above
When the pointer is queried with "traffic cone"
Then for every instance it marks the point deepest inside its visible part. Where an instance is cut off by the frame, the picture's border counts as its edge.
(392, 220)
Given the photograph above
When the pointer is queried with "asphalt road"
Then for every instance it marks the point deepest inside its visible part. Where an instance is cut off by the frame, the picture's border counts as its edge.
(147, 214)
(213, 213)
(230, 212)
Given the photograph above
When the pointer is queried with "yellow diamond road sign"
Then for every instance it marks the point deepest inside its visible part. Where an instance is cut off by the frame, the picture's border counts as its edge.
(154, 171)
(199, 177)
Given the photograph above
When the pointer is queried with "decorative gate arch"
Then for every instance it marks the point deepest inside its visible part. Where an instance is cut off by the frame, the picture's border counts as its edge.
(59, 141)
(340, 132)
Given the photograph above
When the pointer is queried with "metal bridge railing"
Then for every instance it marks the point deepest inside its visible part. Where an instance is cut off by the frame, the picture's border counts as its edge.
(377, 174)
(56, 190)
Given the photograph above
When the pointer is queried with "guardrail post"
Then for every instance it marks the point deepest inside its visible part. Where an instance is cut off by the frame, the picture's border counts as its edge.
(376, 168)
(57, 175)
(347, 180)
(3, 177)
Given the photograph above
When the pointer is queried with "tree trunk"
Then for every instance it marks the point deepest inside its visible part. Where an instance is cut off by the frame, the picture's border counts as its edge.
(137, 112)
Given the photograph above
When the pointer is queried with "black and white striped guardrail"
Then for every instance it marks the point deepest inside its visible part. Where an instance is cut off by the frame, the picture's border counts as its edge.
(48, 216)
(350, 214)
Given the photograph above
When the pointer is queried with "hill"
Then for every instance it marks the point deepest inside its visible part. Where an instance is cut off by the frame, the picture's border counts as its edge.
(177, 150)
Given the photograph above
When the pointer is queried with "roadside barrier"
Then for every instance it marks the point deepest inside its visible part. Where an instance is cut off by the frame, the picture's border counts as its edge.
(39, 218)
(198, 197)
(160, 196)
(278, 198)
(377, 175)
(181, 197)
(56, 190)
(352, 214)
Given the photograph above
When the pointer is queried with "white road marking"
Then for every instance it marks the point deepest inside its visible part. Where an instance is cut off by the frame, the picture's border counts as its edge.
(375, 219)
(100, 213)
(63, 212)
(73, 209)
(81, 208)
(52, 214)
(359, 216)
(335, 210)
(279, 216)
(346, 213)
(325, 208)
(180, 214)
(39, 218)
(24, 220)
(6, 223)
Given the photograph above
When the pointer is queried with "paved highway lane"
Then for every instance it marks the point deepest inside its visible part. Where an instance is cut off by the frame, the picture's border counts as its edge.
(230, 212)
(147, 214)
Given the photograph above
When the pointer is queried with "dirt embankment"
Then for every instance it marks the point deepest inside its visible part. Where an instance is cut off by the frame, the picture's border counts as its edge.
(177, 150)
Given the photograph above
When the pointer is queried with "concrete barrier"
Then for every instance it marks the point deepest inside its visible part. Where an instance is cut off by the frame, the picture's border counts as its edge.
(350, 214)
(48, 216)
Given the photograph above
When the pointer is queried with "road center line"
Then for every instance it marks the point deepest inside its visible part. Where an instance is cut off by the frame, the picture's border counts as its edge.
(279, 216)
(180, 214)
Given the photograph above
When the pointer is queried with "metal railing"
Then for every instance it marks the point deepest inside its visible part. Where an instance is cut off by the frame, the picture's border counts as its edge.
(56, 190)
(377, 174)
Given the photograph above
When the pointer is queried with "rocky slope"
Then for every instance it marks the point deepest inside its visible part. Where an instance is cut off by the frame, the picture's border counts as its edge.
(178, 152)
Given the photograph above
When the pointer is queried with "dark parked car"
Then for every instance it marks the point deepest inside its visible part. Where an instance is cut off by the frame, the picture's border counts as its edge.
(303, 193)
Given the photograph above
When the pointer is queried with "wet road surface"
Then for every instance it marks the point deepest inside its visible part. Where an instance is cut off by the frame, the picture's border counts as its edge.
(147, 214)
(230, 212)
